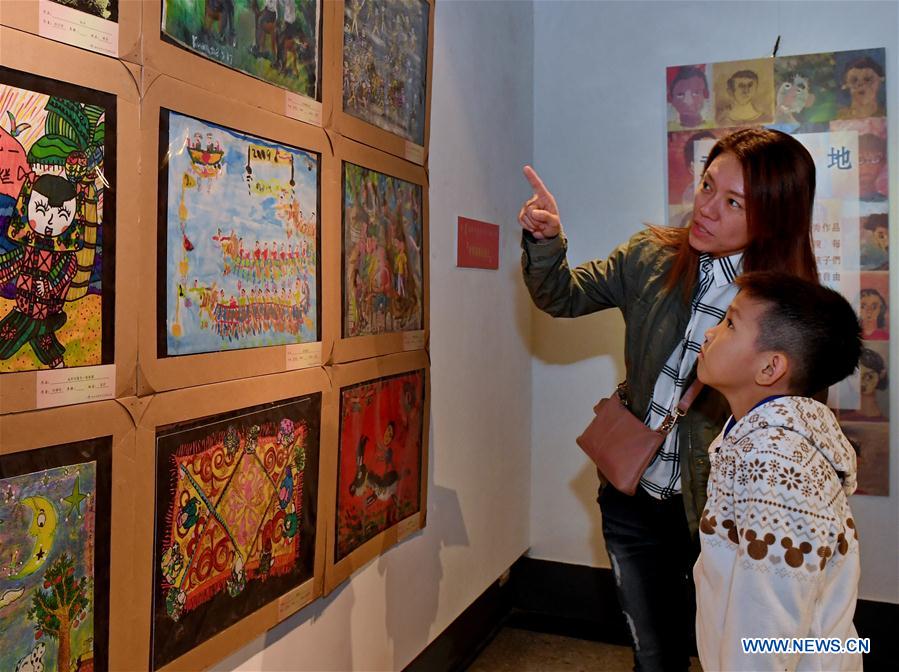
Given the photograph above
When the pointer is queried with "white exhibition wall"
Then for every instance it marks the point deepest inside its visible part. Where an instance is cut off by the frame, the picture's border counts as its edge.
(599, 144)
(482, 133)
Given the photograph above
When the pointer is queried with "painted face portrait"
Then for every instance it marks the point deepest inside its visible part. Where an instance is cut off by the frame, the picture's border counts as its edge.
(871, 310)
(794, 95)
(871, 158)
(882, 238)
(51, 209)
(688, 96)
(863, 85)
(744, 89)
(870, 379)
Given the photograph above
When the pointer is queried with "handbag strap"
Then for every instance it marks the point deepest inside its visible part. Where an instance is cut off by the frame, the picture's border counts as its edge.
(686, 400)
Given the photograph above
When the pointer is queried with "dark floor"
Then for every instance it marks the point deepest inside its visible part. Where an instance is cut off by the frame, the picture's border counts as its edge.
(515, 650)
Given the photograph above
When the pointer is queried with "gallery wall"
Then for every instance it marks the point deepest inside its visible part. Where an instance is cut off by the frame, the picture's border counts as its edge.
(599, 144)
(481, 134)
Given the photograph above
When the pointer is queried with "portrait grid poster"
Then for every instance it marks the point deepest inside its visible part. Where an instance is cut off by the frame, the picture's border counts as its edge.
(276, 41)
(238, 240)
(54, 566)
(379, 457)
(835, 104)
(385, 64)
(57, 212)
(383, 289)
(235, 518)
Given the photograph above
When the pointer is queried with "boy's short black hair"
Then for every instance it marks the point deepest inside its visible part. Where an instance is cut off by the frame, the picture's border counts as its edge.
(814, 326)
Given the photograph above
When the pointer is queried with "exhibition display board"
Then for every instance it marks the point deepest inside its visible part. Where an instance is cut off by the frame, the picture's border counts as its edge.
(68, 300)
(201, 274)
(232, 537)
(231, 235)
(381, 465)
(67, 479)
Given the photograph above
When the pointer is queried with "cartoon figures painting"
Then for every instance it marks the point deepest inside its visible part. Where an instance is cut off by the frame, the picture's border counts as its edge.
(235, 518)
(382, 233)
(273, 40)
(385, 54)
(379, 475)
(53, 261)
(242, 231)
(53, 594)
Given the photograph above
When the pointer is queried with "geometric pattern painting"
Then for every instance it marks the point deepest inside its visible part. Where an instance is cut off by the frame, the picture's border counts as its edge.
(57, 211)
(383, 259)
(241, 232)
(235, 518)
(385, 59)
(54, 557)
(379, 478)
(834, 103)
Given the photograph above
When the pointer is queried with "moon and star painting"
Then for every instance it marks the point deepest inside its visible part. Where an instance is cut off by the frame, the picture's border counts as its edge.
(54, 557)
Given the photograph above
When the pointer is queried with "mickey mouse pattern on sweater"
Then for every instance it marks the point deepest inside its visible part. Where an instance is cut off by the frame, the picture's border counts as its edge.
(779, 544)
(777, 496)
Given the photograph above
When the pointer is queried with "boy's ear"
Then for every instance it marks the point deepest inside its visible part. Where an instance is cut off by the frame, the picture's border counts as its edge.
(775, 366)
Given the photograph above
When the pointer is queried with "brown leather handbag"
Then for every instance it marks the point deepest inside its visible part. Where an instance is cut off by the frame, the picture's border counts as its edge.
(620, 445)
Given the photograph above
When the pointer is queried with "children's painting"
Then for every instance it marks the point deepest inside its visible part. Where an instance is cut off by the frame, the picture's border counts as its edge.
(54, 565)
(235, 518)
(379, 478)
(105, 9)
(56, 224)
(238, 231)
(276, 41)
(382, 246)
(835, 104)
(385, 59)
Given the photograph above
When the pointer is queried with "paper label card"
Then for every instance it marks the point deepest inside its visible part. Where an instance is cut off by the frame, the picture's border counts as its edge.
(295, 600)
(80, 29)
(303, 355)
(303, 108)
(414, 340)
(62, 387)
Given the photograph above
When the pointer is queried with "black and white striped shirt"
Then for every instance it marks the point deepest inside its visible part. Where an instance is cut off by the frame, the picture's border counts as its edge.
(713, 296)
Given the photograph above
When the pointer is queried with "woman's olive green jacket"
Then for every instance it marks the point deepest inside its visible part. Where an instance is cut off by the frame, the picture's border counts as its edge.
(632, 279)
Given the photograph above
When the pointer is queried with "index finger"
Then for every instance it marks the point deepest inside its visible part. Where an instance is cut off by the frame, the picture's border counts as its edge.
(539, 188)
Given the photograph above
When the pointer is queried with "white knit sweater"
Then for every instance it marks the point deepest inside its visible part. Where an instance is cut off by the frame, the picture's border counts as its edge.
(779, 546)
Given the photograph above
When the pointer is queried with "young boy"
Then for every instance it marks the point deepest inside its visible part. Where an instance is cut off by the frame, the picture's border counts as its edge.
(779, 547)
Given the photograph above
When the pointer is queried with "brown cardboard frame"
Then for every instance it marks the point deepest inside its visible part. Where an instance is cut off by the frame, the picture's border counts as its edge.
(188, 404)
(166, 373)
(359, 347)
(344, 375)
(39, 56)
(193, 68)
(24, 432)
(355, 128)
(25, 15)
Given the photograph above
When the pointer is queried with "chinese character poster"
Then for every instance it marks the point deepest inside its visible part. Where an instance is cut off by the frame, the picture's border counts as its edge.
(835, 105)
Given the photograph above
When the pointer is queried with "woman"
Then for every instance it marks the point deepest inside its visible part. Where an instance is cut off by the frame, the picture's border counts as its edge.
(752, 211)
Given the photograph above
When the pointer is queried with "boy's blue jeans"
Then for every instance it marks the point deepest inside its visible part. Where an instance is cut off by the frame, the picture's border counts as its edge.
(652, 555)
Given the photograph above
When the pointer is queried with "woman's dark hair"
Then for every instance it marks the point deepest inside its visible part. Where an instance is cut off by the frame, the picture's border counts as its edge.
(779, 183)
(872, 360)
(881, 314)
